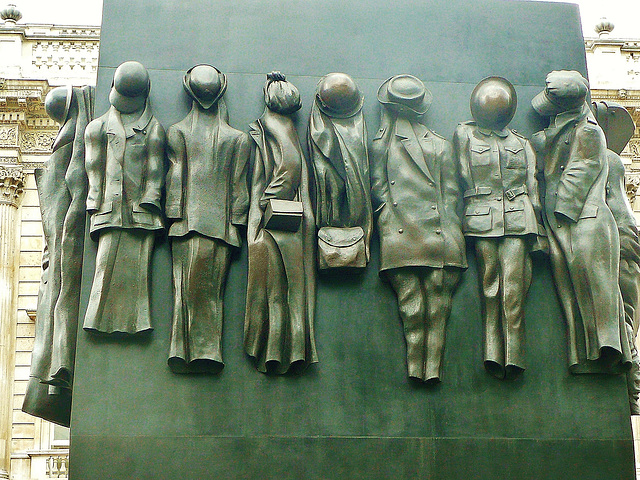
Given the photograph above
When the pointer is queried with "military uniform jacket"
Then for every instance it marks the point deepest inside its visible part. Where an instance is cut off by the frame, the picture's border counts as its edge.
(415, 193)
(124, 165)
(497, 172)
(207, 188)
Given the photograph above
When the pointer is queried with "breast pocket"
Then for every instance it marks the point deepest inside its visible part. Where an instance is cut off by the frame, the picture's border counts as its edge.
(480, 154)
(477, 219)
(515, 157)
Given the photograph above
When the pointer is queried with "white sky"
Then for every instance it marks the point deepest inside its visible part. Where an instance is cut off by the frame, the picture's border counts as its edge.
(625, 14)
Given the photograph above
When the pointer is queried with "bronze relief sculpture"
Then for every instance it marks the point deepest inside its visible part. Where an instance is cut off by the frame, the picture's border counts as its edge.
(207, 202)
(337, 140)
(583, 236)
(125, 167)
(281, 290)
(497, 169)
(62, 191)
(415, 194)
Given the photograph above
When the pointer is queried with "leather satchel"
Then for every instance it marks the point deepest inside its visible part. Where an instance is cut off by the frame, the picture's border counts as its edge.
(341, 248)
(285, 215)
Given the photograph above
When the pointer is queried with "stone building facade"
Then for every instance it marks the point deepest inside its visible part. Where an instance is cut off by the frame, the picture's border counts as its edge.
(33, 59)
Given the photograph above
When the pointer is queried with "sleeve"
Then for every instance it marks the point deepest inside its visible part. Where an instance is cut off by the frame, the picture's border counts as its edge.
(176, 151)
(461, 154)
(155, 169)
(95, 164)
(240, 186)
(586, 161)
(532, 182)
(450, 186)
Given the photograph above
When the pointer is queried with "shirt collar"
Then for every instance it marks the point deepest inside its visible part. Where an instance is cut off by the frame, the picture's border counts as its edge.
(487, 132)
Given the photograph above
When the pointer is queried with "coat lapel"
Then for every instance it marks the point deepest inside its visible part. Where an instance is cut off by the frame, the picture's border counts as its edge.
(115, 135)
(410, 143)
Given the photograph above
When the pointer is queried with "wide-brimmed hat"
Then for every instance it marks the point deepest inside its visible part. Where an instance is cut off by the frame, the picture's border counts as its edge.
(493, 102)
(405, 92)
(337, 95)
(205, 84)
(565, 90)
(616, 122)
(130, 87)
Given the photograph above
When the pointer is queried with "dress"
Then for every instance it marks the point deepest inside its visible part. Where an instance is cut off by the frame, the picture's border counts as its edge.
(207, 199)
(280, 309)
(126, 173)
(62, 190)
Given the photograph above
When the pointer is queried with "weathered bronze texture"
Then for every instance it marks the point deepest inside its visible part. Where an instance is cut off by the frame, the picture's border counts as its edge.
(125, 166)
(337, 141)
(415, 193)
(281, 290)
(583, 235)
(207, 202)
(618, 128)
(497, 169)
(62, 191)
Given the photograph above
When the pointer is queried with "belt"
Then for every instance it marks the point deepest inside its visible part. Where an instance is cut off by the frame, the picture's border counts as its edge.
(515, 192)
(472, 192)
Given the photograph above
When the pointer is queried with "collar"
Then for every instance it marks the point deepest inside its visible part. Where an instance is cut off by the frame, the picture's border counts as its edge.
(575, 115)
(405, 129)
(130, 129)
(487, 132)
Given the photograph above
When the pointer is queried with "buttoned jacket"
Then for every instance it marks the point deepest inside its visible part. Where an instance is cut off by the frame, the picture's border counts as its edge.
(415, 193)
(125, 168)
(207, 188)
(497, 171)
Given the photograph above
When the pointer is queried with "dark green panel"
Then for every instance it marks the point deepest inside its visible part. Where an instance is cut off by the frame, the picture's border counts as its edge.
(355, 414)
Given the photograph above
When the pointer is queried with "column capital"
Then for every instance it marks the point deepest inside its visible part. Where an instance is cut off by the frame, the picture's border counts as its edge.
(11, 185)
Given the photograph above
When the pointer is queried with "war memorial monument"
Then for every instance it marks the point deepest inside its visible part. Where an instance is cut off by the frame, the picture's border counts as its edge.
(337, 240)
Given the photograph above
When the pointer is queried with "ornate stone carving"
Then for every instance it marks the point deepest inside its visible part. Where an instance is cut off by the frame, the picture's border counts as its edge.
(8, 135)
(38, 141)
(11, 185)
(632, 182)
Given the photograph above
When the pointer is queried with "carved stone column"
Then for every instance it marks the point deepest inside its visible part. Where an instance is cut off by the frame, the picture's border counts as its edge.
(11, 187)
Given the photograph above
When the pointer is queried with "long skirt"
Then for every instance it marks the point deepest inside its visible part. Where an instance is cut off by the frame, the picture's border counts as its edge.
(119, 299)
(200, 268)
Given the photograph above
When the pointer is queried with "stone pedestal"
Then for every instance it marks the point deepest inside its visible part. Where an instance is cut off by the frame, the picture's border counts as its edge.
(11, 185)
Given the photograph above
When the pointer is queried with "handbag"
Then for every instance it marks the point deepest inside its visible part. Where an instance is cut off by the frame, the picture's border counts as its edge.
(284, 215)
(341, 248)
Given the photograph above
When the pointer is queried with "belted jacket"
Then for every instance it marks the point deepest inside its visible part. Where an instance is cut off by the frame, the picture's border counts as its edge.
(500, 190)
(125, 168)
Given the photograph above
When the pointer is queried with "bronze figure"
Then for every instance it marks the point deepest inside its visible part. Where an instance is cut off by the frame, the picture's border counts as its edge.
(124, 162)
(337, 140)
(618, 128)
(415, 193)
(207, 201)
(497, 168)
(62, 190)
(281, 291)
(583, 237)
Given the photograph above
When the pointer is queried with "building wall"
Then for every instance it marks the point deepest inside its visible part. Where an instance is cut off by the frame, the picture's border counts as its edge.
(35, 58)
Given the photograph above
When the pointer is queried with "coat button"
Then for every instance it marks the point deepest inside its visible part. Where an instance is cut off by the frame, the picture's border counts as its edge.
(433, 207)
(559, 226)
(392, 182)
(395, 204)
(496, 174)
(561, 167)
(499, 199)
(438, 231)
(400, 230)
